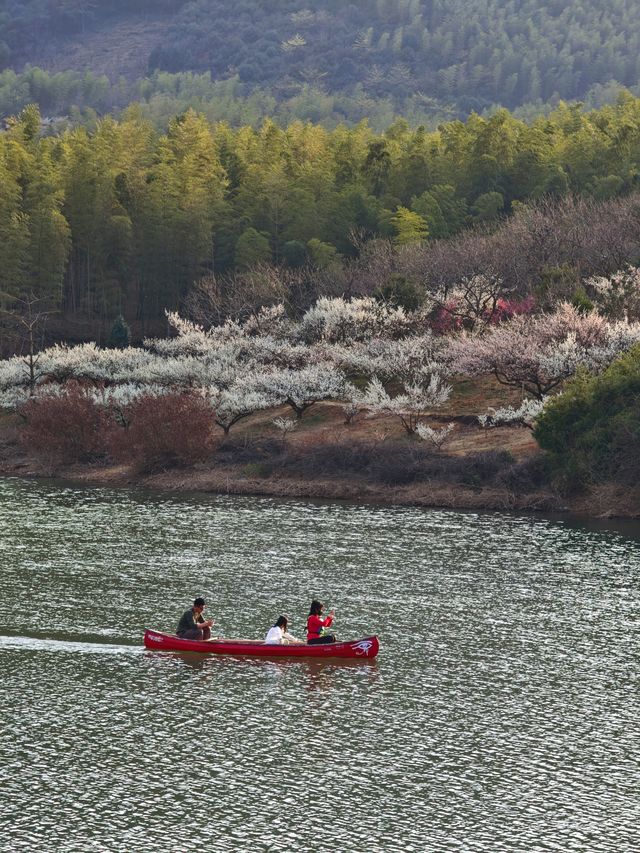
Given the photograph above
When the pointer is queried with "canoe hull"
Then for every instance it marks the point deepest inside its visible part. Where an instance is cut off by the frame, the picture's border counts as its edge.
(364, 649)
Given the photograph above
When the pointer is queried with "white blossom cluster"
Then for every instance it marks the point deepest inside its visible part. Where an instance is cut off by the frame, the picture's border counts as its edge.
(14, 373)
(437, 437)
(409, 406)
(340, 321)
(271, 320)
(120, 396)
(285, 425)
(407, 358)
(17, 395)
(527, 414)
(617, 295)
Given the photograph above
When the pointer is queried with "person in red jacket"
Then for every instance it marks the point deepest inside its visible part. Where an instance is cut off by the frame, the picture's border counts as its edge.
(316, 624)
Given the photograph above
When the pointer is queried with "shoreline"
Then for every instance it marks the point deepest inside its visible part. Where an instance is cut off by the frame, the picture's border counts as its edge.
(607, 502)
(229, 472)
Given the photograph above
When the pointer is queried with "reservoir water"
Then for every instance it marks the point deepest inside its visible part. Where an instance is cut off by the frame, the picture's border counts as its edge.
(501, 715)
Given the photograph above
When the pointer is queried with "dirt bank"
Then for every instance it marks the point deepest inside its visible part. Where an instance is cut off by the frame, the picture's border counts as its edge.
(370, 460)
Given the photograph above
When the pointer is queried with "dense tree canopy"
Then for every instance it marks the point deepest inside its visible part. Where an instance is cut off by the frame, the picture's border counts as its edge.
(123, 219)
(432, 55)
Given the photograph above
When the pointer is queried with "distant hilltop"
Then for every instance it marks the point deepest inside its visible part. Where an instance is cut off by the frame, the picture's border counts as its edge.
(450, 56)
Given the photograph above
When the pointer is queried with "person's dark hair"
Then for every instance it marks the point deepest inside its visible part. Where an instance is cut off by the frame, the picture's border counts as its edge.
(281, 622)
(316, 607)
(199, 602)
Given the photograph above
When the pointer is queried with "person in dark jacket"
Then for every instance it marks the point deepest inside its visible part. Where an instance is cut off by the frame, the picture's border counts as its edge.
(193, 625)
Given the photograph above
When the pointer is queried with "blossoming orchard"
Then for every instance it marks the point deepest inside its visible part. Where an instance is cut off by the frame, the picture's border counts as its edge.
(370, 356)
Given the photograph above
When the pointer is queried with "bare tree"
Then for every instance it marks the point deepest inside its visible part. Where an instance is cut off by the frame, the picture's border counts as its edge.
(29, 322)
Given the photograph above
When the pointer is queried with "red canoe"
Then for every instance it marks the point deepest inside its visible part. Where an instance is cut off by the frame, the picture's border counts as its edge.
(366, 648)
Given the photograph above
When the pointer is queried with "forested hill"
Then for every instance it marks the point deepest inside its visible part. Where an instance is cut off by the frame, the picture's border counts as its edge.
(455, 55)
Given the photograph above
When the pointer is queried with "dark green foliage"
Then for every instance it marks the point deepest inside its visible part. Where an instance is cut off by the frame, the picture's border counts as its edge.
(294, 253)
(400, 292)
(592, 431)
(442, 210)
(487, 207)
(120, 335)
(581, 301)
(252, 248)
(421, 57)
(121, 216)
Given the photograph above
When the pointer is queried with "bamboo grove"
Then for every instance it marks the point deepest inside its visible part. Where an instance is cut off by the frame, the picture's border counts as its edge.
(124, 218)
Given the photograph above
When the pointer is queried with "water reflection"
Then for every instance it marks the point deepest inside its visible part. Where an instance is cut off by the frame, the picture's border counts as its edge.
(316, 675)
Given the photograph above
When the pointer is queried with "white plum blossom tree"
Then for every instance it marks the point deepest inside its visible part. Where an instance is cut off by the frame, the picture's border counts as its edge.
(354, 402)
(232, 405)
(302, 388)
(437, 437)
(537, 354)
(285, 426)
(272, 321)
(617, 295)
(339, 320)
(410, 406)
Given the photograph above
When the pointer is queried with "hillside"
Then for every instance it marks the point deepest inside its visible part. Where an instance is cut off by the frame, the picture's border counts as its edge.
(115, 48)
(459, 56)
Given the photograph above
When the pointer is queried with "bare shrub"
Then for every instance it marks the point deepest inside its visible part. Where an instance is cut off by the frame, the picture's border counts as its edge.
(172, 430)
(527, 476)
(395, 465)
(246, 449)
(241, 294)
(70, 427)
(582, 236)
(338, 459)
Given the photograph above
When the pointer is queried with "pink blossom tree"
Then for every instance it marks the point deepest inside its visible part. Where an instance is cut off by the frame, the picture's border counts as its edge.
(537, 354)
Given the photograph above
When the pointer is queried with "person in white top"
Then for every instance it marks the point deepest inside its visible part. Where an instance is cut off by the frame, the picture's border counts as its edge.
(278, 635)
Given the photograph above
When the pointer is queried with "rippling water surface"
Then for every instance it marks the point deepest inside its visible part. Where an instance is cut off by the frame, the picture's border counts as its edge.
(501, 715)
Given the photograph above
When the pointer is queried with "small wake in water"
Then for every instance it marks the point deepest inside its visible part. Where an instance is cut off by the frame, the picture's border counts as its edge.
(47, 644)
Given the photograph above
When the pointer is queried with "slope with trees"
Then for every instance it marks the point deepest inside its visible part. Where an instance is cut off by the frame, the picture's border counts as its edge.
(431, 56)
(121, 219)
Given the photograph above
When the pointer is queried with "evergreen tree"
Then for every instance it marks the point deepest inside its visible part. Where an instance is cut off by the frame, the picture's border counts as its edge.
(120, 334)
